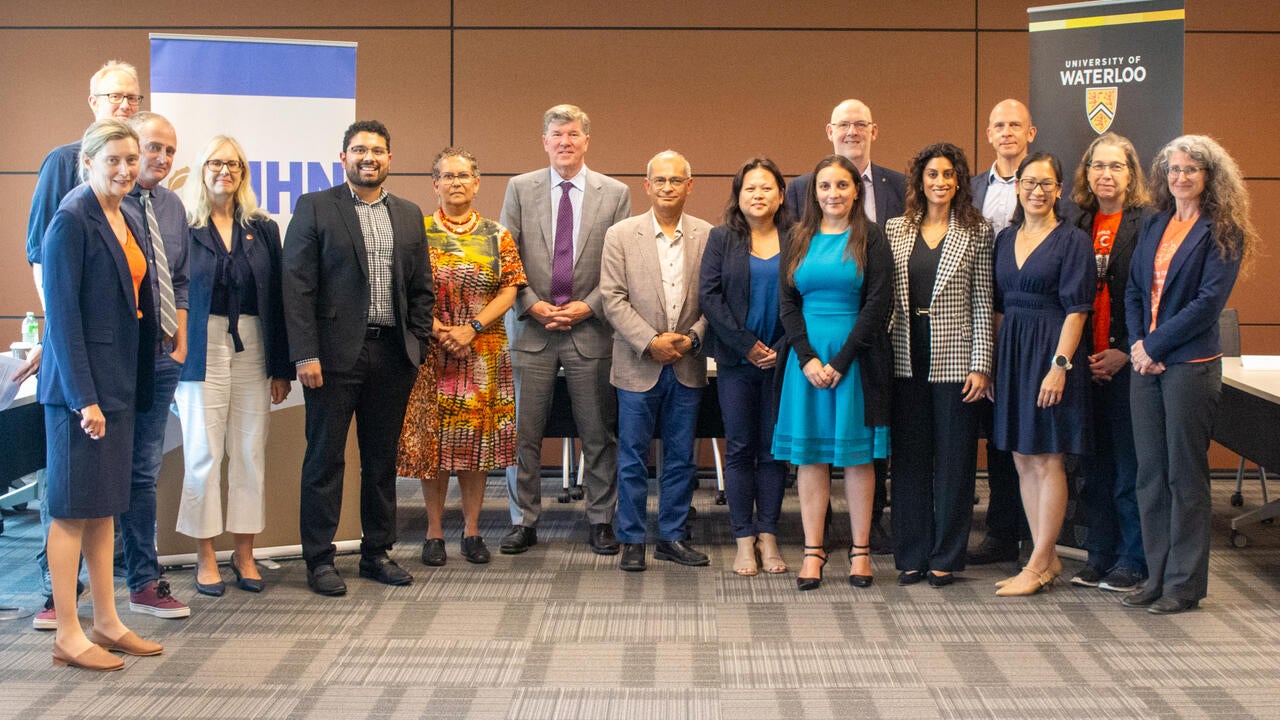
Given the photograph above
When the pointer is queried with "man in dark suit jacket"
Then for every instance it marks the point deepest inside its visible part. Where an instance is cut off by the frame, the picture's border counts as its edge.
(851, 132)
(358, 298)
(884, 192)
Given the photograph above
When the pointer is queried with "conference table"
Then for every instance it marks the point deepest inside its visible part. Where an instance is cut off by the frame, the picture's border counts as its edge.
(1249, 425)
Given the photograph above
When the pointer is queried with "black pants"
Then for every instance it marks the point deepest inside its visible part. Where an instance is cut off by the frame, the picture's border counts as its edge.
(935, 456)
(1006, 520)
(375, 391)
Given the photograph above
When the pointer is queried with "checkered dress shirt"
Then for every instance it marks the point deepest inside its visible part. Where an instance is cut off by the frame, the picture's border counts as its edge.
(379, 239)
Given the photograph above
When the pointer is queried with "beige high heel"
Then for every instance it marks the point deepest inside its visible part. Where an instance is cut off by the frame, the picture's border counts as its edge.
(744, 564)
(1027, 582)
(770, 557)
(1055, 569)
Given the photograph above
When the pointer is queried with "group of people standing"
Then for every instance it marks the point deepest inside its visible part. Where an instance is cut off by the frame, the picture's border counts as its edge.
(854, 315)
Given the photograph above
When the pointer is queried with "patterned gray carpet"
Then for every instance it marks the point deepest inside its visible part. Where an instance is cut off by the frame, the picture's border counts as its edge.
(560, 634)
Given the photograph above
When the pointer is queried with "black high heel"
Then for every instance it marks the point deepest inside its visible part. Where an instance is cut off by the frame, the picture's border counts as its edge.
(256, 585)
(808, 583)
(860, 581)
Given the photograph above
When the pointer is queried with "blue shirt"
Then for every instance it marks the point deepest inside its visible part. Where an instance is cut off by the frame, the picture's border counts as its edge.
(171, 216)
(59, 174)
(762, 312)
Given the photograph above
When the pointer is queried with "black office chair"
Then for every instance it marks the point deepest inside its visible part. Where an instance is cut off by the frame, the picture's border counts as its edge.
(1229, 332)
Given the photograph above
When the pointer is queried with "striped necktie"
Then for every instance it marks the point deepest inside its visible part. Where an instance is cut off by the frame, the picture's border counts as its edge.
(168, 311)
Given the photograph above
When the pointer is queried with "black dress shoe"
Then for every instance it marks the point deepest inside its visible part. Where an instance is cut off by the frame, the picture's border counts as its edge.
(474, 551)
(247, 584)
(1140, 598)
(519, 539)
(384, 570)
(433, 552)
(910, 577)
(603, 541)
(632, 557)
(325, 580)
(936, 580)
(676, 551)
(1172, 606)
(213, 589)
(992, 550)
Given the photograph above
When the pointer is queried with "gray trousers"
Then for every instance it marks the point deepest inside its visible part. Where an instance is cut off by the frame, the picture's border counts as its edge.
(595, 412)
(1173, 416)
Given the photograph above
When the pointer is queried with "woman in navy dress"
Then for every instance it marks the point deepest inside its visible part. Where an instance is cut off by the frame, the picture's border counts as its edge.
(738, 294)
(1044, 275)
(93, 378)
(835, 291)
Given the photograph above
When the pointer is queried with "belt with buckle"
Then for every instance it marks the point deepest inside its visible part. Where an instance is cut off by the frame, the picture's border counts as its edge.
(920, 312)
(373, 332)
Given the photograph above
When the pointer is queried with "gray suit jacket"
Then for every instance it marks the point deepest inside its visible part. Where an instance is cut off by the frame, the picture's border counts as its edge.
(635, 304)
(526, 212)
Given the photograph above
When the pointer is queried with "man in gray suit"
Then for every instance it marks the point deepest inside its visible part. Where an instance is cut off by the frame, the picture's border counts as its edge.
(649, 282)
(558, 217)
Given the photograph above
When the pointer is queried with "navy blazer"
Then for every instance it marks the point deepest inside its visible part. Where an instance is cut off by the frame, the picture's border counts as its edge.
(890, 192)
(1195, 291)
(868, 341)
(261, 238)
(724, 293)
(1117, 276)
(326, 279)
(93, 333)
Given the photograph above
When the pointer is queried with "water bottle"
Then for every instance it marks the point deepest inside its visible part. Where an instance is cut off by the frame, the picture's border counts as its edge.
(31, 329)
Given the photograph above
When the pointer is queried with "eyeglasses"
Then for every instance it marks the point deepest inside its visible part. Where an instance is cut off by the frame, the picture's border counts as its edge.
(1114, 167)
(377, 152)
(232, 166)
(846, 126)
(675, 182)
(448, 178)
(1188, 172)
(117, 98)
(1047, 186)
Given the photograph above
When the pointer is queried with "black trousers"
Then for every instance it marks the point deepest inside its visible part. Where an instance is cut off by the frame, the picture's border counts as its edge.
(1006, 520)
(375, 391)
(935, 457)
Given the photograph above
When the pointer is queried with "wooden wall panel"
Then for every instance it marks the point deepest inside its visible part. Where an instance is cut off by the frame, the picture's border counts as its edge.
(237, 14)
(1225, 96)
(861, 14)
(1002, 73)
(17, 291)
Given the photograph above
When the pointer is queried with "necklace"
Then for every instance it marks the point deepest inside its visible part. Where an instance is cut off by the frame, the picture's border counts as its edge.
(458, 228)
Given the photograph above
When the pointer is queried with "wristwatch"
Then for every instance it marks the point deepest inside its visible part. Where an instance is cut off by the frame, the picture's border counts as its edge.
(1062, 361)
(477, 326)
(695, 340)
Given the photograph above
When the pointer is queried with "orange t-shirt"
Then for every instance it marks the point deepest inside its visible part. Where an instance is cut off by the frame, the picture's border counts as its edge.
(137, 265)
(1172, 239)
(1104, 235)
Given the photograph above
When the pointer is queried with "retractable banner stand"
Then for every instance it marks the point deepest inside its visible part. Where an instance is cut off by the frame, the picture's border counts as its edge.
(287, 102)
(1109, 65)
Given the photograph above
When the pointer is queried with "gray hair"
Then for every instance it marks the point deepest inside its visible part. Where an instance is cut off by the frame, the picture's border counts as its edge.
(688, 169)
(565, 113)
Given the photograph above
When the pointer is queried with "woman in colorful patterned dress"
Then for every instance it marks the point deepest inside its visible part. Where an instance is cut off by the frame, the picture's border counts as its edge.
(461, 415)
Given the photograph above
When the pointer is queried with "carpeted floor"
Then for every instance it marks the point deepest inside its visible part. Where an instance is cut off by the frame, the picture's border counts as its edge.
(560, 634)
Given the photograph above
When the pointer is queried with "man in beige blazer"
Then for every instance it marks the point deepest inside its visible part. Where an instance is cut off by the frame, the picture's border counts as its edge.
(649, 286)
(558, 216)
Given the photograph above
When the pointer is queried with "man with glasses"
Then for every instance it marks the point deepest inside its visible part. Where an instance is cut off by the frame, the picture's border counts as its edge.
(113, 93)
(558, 217)
(884, 191)
(649, 283)
(358, 299)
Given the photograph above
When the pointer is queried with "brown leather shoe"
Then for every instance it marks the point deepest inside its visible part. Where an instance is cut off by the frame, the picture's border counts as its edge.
(129, 643)
(95, 658)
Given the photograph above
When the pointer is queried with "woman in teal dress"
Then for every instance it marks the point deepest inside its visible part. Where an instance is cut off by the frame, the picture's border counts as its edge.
(835, 292)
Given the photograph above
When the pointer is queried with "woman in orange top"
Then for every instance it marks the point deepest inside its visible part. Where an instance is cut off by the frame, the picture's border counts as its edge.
(93, 377)
(1188, 256)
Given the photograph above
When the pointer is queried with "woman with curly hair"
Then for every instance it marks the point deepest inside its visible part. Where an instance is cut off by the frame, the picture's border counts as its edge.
(942, 347)
(1187, 259)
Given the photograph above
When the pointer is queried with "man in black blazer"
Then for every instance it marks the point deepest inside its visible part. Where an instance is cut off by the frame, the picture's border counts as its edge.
(358, 298)
(884, 191)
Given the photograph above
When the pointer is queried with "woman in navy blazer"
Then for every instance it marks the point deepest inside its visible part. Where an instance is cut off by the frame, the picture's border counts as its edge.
(91, 383)
(237, 362)
(738, 293)
(1186, 262)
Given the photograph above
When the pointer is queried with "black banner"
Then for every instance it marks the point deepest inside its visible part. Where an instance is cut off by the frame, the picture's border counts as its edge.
(1108, 65)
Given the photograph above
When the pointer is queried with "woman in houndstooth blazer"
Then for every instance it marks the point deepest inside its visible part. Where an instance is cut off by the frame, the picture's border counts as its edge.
(942, 348)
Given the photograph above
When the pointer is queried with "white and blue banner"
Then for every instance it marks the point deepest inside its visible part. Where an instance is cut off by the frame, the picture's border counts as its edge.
(286, 101)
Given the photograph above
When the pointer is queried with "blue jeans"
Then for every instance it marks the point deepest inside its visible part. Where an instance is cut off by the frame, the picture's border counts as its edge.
(639, 413)
(1110, 494)
(137, 525)
(753, 481)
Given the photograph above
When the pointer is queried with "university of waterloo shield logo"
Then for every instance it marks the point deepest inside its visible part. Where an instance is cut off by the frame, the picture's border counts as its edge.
(1100, 107)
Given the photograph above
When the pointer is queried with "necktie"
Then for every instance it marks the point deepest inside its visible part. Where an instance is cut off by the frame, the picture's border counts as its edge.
(868, 202)
(562, 259)
(168, 311)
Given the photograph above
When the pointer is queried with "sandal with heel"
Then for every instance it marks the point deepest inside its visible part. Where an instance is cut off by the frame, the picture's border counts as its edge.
(810, 583)
(860, 581)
